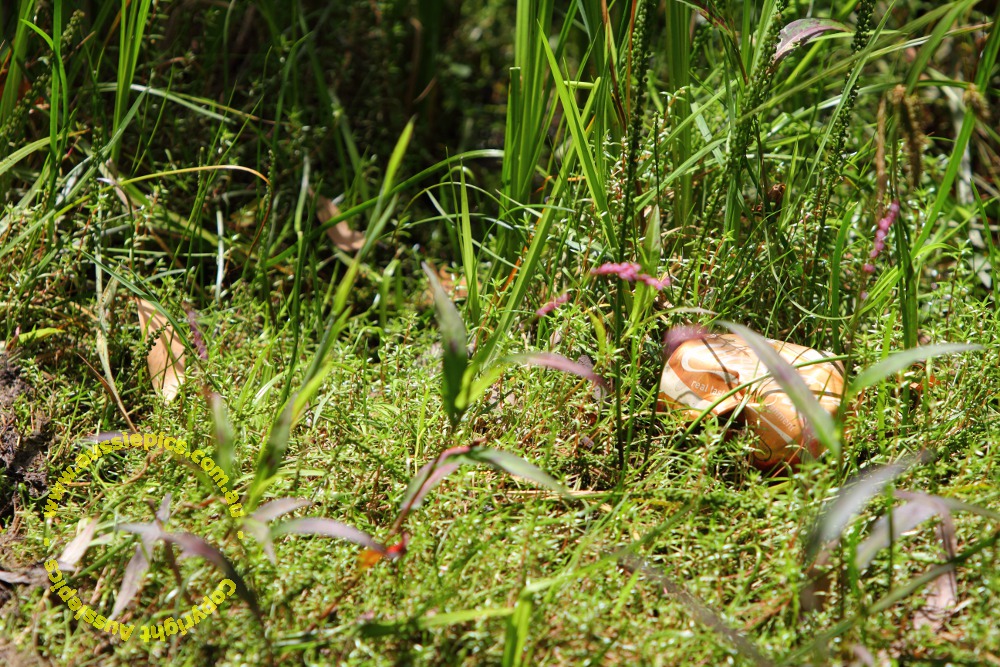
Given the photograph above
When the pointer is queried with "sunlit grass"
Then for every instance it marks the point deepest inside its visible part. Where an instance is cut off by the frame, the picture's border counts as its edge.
(747, 192)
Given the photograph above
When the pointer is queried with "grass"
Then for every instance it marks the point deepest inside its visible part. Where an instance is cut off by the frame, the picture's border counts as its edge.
(160, 153)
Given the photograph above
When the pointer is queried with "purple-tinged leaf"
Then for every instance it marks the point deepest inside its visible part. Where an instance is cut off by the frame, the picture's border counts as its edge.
(192, 545)
(103, 436)
(559, 363)
(919, 508)
(163, 512)
(149, 533)
(327, 528)
(453, 340)
(958, 506)
(430, 475)
(515, 465)
(795, 386)
(257, 523)
(942, 594)
(856, 493)
(801, 31)
(75, 550)
(134, 572)
(270, 511)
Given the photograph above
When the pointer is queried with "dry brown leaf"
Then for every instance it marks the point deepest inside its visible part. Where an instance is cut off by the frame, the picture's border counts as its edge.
(345, 238)
(454, 286)
(942, 594)
(166, 358)
(939, 605)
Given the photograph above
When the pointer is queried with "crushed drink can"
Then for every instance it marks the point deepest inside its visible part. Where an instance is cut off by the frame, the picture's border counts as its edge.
(705, 367)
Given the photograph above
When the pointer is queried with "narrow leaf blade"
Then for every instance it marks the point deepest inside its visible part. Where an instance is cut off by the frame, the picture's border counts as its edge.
(453, 340)
(225, 437)
(848, 503)
(272, 510)
(904, 519)
(192, 545)
(327, 528)
(801, 31)
(701, 611)
(272, 455)
(559, 363)
(75, 550)
(134, 571)
(430, 475)
(518, 467)
(904, 359)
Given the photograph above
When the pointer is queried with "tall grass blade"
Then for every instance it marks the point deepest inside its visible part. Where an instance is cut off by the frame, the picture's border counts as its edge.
(455, 352)
(518, 467)
(904, 359)
(271, 457)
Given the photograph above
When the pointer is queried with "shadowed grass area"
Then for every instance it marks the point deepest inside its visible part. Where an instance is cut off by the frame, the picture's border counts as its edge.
(417, 261)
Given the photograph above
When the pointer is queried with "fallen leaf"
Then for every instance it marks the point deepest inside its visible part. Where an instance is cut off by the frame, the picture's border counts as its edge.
(454, 286)
(345, 238)
(74, 551)
(939, 605)
(166, 358)
(942, 594)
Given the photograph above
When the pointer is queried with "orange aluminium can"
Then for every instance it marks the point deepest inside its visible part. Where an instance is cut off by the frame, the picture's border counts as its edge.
(706, 367)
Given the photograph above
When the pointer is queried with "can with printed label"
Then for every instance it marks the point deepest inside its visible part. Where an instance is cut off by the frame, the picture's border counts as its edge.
(703, 371)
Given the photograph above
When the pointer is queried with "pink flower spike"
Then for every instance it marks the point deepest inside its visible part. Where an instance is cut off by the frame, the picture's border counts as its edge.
(869, 268)
(552, 305)
(653, 282)
(626, 270)
(630, 273)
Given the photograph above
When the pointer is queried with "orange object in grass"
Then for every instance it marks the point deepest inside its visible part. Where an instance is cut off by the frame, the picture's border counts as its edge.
(707, 366)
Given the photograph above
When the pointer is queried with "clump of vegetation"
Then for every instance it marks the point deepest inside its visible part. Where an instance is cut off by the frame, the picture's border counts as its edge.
(339, 250)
